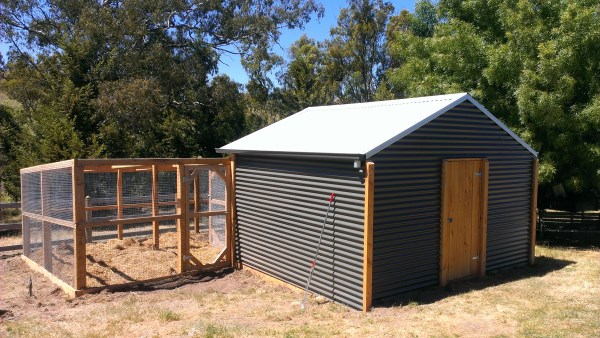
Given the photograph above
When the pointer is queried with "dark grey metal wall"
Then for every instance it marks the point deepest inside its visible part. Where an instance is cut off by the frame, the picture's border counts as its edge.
(406, 234)
(281, 204)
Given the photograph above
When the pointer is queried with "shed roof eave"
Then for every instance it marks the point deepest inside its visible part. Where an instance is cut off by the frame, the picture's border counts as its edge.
(339, 156)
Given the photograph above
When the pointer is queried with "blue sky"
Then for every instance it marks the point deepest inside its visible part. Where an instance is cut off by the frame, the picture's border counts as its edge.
(318, 30)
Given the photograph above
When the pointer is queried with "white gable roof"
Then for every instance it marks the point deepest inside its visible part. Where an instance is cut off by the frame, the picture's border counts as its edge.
(360, 129)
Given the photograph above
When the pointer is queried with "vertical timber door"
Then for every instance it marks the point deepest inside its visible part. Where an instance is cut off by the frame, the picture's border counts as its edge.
(464, 218)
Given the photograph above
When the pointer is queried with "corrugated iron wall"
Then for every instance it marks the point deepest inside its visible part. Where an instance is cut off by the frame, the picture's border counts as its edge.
(281, 204)
(406, 235)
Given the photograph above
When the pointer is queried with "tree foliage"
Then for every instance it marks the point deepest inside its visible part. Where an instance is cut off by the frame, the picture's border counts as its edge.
(135, 78)
(303, 82)
(356, 59)
(9, 132)
(533, 63)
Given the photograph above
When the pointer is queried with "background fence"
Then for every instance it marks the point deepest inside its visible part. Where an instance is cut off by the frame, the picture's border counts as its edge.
(556, 221)
(11, 209)
(91, 224)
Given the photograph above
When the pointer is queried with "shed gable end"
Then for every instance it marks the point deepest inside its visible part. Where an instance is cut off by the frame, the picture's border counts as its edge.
(408, 190)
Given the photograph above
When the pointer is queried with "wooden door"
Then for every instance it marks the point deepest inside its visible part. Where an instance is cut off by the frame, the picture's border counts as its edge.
(464, 218)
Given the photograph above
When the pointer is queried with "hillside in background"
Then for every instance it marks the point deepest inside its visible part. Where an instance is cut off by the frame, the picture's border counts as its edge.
(6, 101)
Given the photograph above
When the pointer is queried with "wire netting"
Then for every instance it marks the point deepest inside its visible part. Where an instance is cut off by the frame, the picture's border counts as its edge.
(167, 192)
(62, 253)
(57, 193)
(137, 189)
(218, 195)
(101, 190)
(31, 193)
(142, 253)
(51, 246)
(48, 193)
(217, 236)
(33, 229)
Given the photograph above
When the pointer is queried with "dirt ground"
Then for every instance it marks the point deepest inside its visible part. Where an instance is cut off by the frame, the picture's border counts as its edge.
(132, 259)
(557, 297)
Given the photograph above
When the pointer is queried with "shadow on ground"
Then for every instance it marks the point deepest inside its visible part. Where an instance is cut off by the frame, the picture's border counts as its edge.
(543, 265)
(569, 239)
(170, 283)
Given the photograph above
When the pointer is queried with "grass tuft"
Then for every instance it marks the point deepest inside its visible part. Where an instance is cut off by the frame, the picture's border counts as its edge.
(209, 330)
(168, 316)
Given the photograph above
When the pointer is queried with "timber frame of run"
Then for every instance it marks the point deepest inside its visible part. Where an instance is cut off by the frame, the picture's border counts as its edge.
(82, 226)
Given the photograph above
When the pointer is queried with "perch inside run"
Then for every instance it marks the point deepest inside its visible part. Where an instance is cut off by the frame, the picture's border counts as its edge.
(94, 224)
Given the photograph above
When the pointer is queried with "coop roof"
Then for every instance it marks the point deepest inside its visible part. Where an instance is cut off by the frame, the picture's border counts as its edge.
(357, 130)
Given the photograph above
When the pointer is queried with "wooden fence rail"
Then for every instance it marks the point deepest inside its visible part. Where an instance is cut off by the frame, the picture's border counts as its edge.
(10, 226)
(569, 222)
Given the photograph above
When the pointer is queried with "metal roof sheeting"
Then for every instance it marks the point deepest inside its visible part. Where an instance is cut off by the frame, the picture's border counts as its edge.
(359, 129)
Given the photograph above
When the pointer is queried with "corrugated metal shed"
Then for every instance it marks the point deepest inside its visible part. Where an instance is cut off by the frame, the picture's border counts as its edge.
(280, 206)
(385, 237)
(360, 129)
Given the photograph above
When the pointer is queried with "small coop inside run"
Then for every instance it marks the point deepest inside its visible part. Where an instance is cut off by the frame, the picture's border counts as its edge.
(91, 224)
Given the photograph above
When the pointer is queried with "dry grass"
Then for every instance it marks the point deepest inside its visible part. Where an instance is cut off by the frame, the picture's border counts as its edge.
(10, 238)
(556, 298)
(6, 101)
(10, 215)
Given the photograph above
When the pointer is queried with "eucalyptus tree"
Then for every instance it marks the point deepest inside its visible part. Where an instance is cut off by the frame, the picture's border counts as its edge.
(135, 77)
(356, 59)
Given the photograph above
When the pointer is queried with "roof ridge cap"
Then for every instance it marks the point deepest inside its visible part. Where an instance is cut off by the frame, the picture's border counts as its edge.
(390, 103)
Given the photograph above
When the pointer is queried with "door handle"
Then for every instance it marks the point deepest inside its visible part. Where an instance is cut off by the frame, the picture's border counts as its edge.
(450, 220)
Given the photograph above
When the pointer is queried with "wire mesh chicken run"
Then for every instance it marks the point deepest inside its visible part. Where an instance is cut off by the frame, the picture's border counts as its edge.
(92, 224)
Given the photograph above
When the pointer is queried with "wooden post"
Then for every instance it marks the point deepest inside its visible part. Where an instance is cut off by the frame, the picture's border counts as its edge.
(183, 228)
(228, 220)
(46, 228)
(79, 216)
(26, 230)
(26, 236)
(368, 236)
(155, 225)
(196, 203)
(483, 214)
(534, 193)
(231, 208)
(443, 226)
(211, 175)
(119, 203)
(88, 216)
